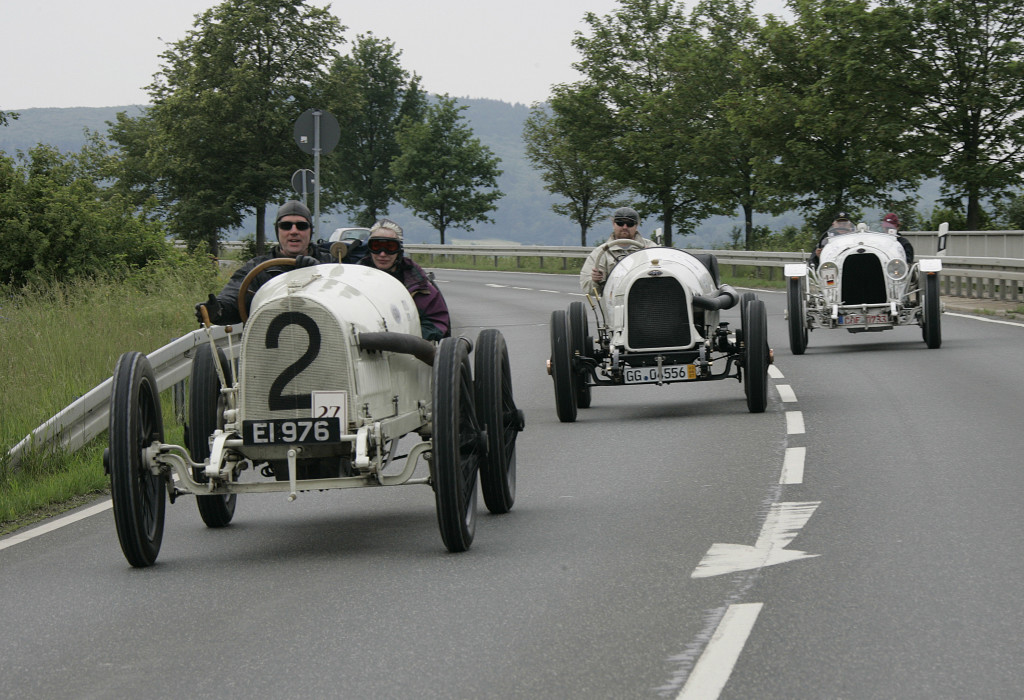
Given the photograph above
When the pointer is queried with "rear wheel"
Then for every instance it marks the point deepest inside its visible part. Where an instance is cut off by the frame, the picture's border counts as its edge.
(497, 413)
(561, 367)
(579, 332)
(457, 445)
(137, 493)
(796, 306)
(931, 321)
(755, 359)
(205, 408)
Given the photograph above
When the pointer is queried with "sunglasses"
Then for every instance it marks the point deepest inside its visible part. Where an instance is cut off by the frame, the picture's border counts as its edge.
(625, 222)
(287, 225)
(384, 245)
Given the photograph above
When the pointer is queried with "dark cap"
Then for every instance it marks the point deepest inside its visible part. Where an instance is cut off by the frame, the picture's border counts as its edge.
(293, 208)
(842, 216)
(891, 218)
(626, 213)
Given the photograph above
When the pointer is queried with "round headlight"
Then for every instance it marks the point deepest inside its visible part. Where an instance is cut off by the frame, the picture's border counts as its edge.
(896, 269)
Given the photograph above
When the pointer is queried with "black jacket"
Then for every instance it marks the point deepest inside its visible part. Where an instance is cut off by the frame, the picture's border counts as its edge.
(228, 296)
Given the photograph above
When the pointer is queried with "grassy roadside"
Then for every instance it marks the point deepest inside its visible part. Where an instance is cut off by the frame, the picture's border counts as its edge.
(61, 341)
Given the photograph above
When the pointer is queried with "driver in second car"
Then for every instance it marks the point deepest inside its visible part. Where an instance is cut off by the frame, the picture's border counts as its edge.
(294, 225)
(599, 263)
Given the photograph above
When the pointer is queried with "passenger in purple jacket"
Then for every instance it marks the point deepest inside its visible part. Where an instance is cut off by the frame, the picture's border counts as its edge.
(385, 245)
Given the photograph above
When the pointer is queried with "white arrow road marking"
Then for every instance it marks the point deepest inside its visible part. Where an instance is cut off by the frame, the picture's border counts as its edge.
(716, 663)
(781, 526)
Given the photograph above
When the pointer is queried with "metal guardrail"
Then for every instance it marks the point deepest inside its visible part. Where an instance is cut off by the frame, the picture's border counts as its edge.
(88, 416)
(964, 276)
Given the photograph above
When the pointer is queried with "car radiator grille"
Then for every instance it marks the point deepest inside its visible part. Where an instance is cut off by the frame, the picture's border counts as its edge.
(863, 280)
(658, 314)
(291, 348)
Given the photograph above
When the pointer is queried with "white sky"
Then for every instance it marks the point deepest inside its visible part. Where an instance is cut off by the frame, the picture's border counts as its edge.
(102, 53)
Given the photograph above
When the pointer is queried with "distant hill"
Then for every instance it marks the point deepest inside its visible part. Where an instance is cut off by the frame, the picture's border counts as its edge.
(524, 214)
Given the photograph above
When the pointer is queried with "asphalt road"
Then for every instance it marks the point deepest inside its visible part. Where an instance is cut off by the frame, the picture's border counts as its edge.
(860, 539)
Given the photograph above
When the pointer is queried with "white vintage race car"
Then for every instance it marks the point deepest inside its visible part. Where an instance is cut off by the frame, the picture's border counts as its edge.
(863, 283)
(658, 323)
(332, 372)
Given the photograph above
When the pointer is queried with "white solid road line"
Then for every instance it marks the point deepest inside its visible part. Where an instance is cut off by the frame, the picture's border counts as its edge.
(55, 524)
(715, 665)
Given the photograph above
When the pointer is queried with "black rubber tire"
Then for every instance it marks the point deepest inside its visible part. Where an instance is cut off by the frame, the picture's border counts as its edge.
(796, 306)
(205, 408)
(457, 445)
(579, 331)
(931, 326)
(755, 360)
(138, 495)
(561, 367)
(497, 413)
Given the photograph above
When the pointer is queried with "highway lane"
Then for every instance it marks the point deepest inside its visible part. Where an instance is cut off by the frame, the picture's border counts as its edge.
(587, 588)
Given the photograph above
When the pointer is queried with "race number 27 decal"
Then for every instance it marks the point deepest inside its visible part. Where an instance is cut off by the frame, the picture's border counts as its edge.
(277, 400)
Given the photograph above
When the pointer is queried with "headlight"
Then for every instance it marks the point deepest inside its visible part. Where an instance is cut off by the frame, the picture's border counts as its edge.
(896, 269)
(829, 274)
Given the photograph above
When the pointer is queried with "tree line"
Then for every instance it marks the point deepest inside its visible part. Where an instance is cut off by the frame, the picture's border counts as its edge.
(848, 106)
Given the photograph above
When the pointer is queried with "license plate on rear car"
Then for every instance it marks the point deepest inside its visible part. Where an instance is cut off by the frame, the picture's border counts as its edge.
(864, 319)
(287, 431)
(666, 373)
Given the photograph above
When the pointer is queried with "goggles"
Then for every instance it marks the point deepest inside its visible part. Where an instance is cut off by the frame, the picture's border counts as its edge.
(625, 222)
(287, 225)
(388, 246)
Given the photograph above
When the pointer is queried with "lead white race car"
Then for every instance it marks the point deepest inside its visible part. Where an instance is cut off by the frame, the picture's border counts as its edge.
(331, 374)
(863, 283)
(658, 322)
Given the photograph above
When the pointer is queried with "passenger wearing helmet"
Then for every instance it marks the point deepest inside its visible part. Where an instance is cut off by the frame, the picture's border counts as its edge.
(386, 254)
(294, 226)
(602, 259)
(891, 224)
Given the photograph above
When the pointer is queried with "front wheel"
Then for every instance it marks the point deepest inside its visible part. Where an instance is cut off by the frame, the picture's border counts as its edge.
(561, 367)
(497, 413)
(796, 307)
(137, 493)
(755, 358)
(931, 321)
(579, 331)
(457, 445)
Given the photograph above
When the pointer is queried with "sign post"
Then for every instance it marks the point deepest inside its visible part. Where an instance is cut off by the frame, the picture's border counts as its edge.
(316, 132)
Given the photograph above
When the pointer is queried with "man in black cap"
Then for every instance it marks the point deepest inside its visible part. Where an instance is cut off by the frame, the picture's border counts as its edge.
(840, 225)
(602, 259)
(294, 225)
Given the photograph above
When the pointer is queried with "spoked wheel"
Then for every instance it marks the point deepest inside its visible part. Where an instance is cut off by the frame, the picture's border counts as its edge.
(205, 409)
(497, 413)
(755, 358)
(579, 330)
(796, 305)
(931, 321)
(458, 448)
(561, 367)
(137, 493)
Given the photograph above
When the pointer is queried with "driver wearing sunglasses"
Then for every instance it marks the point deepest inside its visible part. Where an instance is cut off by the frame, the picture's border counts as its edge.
(387, 255)
(294, 226)
(602, 259)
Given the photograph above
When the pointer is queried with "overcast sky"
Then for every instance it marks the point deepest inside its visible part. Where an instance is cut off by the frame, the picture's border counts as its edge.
(102, 53)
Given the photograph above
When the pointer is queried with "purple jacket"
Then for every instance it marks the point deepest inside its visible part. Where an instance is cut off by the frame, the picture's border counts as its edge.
(435, 323)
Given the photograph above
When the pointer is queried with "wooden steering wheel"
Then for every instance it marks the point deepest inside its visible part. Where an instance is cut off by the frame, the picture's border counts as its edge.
(243, 310)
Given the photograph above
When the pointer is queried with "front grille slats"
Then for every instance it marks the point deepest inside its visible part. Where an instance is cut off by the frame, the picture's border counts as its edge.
(658, 315)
